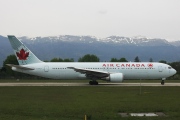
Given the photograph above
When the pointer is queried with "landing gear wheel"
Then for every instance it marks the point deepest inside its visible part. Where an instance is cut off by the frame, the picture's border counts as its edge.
(96, 83)
(162, 82)
(93, 82)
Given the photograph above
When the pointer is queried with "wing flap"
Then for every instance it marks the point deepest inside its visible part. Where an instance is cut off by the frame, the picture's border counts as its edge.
(90, 72)
(20, 67)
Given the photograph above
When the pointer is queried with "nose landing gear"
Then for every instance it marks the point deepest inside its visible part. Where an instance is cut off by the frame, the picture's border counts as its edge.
(163, 81)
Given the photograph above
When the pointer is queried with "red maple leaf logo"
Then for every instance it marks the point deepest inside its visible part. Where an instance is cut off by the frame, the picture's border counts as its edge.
(150, 65)
(22, 54)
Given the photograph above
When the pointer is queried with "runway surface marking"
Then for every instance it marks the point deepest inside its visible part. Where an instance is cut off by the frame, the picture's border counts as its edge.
(86, 84)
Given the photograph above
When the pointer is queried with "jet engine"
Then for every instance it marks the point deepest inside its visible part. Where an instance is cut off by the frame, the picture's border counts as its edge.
(115, 77)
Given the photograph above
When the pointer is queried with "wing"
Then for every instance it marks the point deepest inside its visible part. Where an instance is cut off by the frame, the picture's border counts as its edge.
(91, 73)
(20, 67)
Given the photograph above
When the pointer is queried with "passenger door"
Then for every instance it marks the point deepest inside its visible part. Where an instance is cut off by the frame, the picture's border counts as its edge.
(46, 69)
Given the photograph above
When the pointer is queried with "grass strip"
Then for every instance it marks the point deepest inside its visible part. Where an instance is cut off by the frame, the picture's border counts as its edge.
(97, 102)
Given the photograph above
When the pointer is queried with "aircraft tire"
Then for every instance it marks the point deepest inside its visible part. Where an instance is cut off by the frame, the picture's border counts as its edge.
(96, 83)
(93, 82)
(90, 82)
(162, 82)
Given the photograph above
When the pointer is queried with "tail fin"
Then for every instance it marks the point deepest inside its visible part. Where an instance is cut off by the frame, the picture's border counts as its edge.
(22, 53)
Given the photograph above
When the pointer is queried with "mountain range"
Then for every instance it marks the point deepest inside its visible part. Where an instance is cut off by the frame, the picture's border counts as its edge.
(69, 46)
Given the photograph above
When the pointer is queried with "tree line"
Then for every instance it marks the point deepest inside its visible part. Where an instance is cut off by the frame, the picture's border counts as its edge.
(6, 71)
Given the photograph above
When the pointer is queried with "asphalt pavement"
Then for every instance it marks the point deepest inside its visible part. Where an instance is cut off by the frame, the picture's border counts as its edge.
(87, 84)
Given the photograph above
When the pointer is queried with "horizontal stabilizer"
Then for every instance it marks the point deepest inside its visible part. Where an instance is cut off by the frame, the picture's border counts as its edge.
(20, 67)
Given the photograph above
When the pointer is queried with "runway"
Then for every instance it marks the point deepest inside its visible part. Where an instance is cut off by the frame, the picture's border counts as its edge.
(86, 84)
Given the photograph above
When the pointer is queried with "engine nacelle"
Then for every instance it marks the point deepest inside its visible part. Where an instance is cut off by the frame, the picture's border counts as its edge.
(115, 77)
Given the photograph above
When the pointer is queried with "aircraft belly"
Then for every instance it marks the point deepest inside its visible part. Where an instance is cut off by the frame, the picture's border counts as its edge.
(66, 74)
(143, 74)
(136, 75)
(55, 74)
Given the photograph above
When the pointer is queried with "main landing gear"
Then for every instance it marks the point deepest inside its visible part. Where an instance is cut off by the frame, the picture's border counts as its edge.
(93, 82)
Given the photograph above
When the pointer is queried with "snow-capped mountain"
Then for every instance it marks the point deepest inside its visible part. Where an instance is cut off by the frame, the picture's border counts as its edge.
(137, 41)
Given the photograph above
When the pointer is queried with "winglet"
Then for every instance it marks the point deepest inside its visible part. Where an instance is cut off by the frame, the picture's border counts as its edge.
(22, 53)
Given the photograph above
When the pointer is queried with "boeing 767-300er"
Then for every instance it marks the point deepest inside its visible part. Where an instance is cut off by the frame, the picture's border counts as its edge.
(109, 71)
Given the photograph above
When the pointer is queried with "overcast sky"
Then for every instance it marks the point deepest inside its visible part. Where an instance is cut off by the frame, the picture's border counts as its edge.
(100, 18)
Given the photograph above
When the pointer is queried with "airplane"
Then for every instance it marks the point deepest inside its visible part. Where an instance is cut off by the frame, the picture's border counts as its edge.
(109, 71)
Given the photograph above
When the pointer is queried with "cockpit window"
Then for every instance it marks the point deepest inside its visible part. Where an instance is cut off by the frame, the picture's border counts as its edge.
(169, 67)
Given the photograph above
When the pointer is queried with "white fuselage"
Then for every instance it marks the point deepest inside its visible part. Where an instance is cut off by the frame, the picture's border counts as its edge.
(130, 70)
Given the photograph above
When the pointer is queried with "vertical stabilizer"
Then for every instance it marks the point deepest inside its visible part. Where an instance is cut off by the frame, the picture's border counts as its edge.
(22, 53)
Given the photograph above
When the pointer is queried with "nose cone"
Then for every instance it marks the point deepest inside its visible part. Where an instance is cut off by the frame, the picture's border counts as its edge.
(173, 71)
